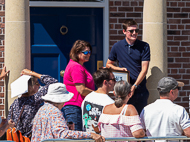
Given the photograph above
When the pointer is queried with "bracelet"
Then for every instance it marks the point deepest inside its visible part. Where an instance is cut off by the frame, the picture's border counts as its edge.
(135, 86)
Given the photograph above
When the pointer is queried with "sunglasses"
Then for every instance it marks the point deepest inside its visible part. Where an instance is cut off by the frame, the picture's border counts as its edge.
(86, 52)
(131, 31)
(113, 79)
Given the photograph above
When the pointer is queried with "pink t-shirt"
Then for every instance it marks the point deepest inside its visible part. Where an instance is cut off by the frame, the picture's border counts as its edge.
(76, 73)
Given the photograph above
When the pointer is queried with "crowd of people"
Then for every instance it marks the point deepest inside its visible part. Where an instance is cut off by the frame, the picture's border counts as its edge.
(90, 113)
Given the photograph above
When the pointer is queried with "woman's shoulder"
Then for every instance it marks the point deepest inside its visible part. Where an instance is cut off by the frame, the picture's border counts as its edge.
(107, 108)
(74, 65)
(131, 110)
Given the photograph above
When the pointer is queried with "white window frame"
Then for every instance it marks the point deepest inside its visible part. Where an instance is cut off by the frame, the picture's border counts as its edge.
(104, 5)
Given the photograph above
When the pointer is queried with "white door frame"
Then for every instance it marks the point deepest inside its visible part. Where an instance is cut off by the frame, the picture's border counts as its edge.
(104, 5)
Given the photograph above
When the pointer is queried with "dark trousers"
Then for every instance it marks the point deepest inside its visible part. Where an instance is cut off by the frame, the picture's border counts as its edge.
(74, 114)
(139, 100)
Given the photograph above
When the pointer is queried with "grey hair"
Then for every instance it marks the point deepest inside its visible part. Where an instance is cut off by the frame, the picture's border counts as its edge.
(122, 88)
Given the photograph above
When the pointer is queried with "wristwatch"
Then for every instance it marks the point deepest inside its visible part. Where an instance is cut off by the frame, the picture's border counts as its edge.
(135, 86)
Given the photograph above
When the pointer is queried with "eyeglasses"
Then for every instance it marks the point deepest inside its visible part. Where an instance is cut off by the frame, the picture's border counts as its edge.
(113, 79)
(131, 31)
(86, 52)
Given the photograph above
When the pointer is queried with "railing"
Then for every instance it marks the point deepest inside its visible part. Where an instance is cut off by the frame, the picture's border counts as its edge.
(173, 138)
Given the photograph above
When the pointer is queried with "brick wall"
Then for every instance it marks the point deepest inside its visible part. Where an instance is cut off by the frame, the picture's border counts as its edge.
(178, 12)
(2, 32)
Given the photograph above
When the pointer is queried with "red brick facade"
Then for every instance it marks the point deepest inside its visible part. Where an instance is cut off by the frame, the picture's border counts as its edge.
(178, 19)
(2, 33)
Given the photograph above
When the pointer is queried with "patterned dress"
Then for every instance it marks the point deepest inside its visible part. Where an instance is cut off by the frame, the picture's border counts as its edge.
(32, 104)
(49, 123)
(118, 125)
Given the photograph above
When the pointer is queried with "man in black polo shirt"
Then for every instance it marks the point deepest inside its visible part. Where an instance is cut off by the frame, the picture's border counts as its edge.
(133, 55)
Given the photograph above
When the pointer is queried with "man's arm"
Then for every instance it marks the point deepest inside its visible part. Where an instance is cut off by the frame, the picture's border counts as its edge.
(142, 75)
(110, 64)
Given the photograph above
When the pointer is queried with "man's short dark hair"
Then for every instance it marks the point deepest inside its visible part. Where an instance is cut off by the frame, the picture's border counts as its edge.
(100, 75)
(128, 23)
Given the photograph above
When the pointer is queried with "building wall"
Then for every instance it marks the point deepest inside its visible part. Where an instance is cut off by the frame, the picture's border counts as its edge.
(2, 32)
(178, 12)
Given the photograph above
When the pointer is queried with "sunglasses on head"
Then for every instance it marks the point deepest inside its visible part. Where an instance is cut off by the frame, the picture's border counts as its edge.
(131, 31)
(86, 52)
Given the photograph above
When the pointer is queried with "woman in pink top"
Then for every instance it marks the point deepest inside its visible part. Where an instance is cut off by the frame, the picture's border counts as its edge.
(78, 80)
(120, 119)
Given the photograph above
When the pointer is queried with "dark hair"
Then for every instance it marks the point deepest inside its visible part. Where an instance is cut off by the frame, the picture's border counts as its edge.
(122, 88)
(128, 23)
(31, 81)
(78, 46)
(100, 75)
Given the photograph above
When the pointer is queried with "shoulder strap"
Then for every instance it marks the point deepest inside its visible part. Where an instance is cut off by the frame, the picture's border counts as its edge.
(20, 114)
(124, 110)
(103, 109)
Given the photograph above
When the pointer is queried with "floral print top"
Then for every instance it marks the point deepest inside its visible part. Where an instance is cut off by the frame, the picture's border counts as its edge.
(32, 104)
(49, 123)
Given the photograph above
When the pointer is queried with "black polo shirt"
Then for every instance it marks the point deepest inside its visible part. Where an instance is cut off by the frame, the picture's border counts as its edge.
(131, 57)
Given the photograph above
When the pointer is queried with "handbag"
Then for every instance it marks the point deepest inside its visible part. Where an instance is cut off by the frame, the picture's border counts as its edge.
(15, 135)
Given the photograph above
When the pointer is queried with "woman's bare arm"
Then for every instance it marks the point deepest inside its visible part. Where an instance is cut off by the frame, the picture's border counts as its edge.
(82, 89)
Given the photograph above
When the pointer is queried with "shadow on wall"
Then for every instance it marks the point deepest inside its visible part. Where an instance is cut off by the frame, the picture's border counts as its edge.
(152, 82)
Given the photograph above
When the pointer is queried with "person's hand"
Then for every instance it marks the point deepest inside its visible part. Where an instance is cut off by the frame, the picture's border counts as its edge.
(97, 138)
(26, 72)
(11, 123)
(122, 69)
(96, 129)
(4, 72)
(71, 126)
(132, 91)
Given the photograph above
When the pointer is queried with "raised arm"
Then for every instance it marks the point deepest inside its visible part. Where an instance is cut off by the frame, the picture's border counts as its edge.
(32, 73)
(45, 79)
(4, 73)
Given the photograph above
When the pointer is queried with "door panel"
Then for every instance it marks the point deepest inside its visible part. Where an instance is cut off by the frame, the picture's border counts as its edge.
(50, 49)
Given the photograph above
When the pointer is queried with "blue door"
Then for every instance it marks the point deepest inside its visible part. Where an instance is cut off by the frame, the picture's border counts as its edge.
(53, 32)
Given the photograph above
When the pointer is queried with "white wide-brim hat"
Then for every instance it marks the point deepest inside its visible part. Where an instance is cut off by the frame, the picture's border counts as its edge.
(57, 93)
